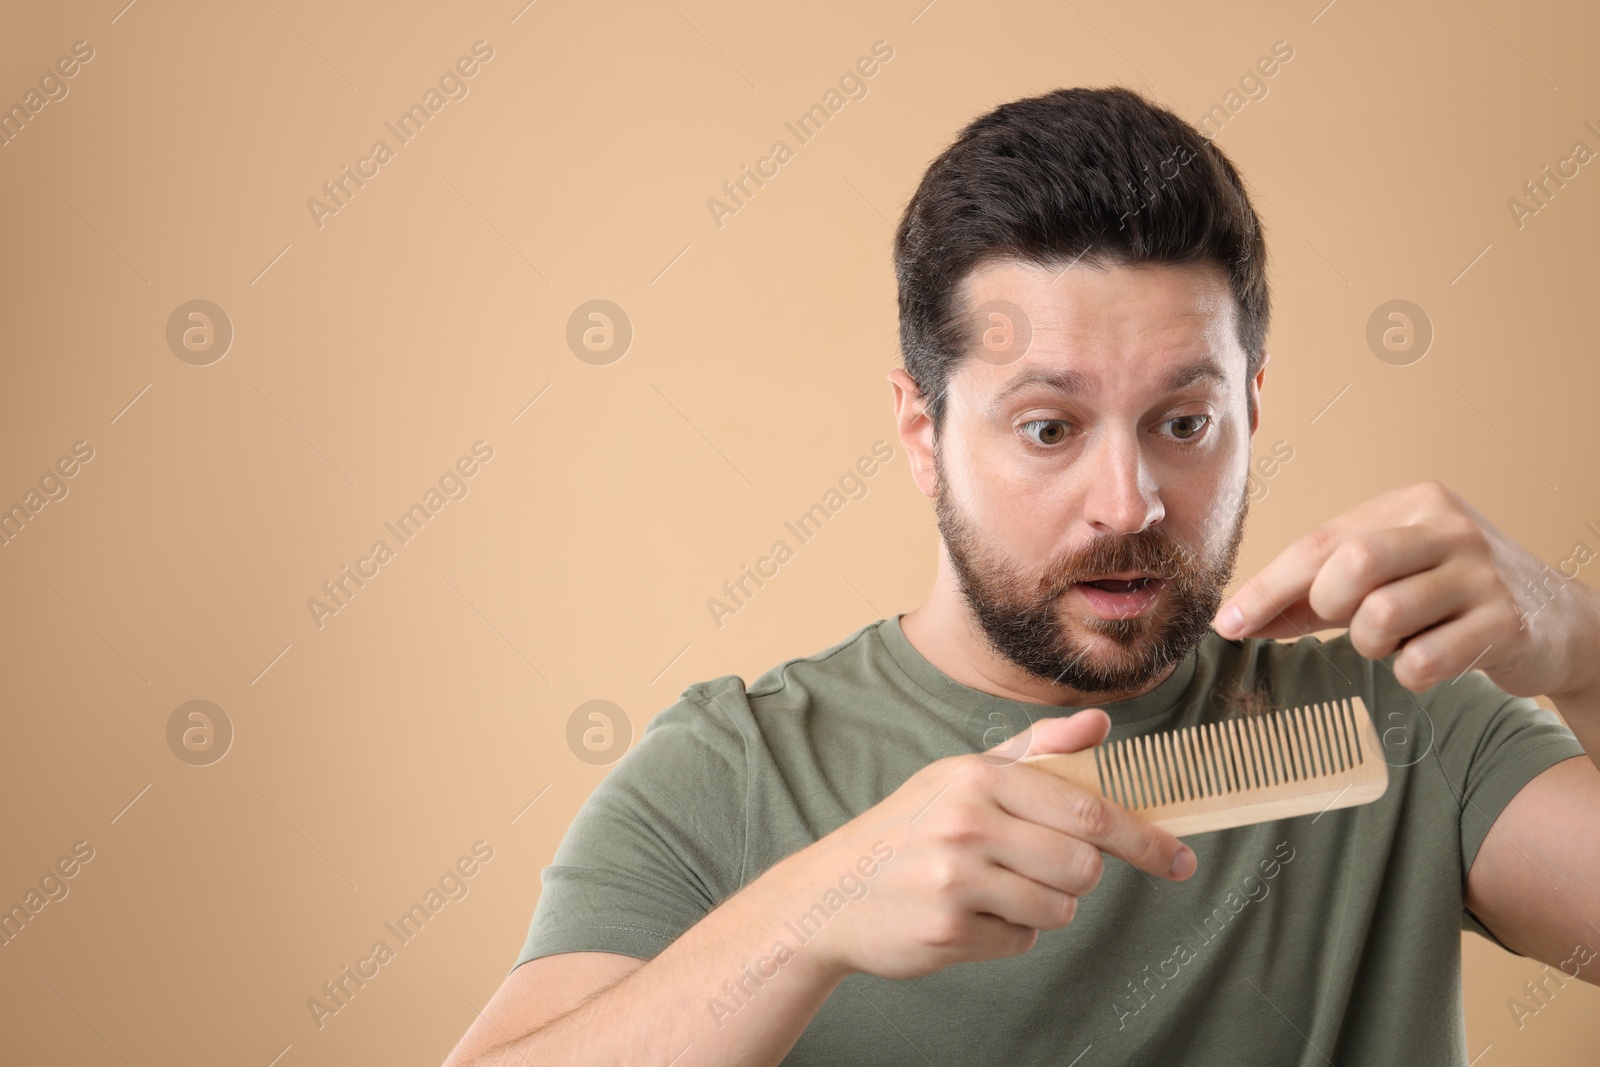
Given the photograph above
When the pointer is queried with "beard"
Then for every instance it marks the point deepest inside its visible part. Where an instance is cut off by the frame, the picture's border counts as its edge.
(1020, 617)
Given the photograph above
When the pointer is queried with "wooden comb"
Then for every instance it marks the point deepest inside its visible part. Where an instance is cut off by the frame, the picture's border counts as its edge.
(1238, 771)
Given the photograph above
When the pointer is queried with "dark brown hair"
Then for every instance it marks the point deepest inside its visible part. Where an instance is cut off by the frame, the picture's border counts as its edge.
(1048, 179)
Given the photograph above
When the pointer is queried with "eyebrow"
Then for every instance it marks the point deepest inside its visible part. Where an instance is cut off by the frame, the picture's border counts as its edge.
(1073, 382)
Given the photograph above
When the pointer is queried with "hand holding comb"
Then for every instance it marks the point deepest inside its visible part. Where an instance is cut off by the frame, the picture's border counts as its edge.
(1219, 775)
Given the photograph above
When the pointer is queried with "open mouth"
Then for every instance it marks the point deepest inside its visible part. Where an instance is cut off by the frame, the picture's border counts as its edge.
(1120, 598)
(1118, 585)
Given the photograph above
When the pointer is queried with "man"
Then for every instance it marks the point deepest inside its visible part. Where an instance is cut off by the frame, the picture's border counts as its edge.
(846, 863)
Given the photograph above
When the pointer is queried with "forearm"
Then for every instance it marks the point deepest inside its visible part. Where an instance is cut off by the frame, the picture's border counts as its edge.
(719, 994)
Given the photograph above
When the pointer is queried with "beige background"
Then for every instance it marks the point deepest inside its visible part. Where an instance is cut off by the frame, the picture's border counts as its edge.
(369, 754)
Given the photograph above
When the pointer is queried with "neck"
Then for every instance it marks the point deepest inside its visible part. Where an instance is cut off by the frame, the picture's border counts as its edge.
(947, 637)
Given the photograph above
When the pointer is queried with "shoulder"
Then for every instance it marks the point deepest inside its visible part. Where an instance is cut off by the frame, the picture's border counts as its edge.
(852, 658)
(727, 709)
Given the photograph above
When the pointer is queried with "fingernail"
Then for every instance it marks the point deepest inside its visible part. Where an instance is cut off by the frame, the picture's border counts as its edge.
(1184, 863)
(1232, 619)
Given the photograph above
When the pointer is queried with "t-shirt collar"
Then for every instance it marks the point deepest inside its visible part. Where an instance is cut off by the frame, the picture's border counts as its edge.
(1161, 700)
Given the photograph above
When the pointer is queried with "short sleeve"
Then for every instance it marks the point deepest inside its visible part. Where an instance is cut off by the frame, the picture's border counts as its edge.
(1522, 741)
(657, 845)
(1489, 745)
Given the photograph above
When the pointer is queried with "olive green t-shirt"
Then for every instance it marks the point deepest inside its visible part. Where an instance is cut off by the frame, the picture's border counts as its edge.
(1330, 938)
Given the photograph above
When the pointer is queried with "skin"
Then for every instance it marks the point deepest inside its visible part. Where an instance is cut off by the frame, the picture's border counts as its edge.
(987, 853)
(1044, 488)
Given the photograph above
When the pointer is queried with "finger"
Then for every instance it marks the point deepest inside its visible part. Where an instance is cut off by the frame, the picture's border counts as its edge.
(992, 937)
(1278, 587)
(1335, 588)
(1040, 797)
(1021, 901)
(1132, 839)
(1285, 581)
(1390, 614)
(1062, 862)
(1064, 733)
(1297, 620)
(1448, 649)
(1366, 562)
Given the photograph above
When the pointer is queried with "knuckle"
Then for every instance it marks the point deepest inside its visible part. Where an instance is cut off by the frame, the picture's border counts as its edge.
(1365, 639)
(1433, 491)
(1420, 660)
(943, 930)
(960, 825)
(944, 877)
(1095, 814)
(1089, 867)
(1384, 609)
(1361, 557)
(1320, 541)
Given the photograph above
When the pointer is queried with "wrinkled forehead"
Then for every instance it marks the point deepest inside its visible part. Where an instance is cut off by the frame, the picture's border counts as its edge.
(1102, 326)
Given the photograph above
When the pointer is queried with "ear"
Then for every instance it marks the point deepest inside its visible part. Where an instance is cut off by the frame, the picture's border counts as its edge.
(915, 429)
(1255, 390)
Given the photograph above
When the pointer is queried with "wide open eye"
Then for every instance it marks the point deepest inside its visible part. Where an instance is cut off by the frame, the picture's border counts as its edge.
(1053, 431)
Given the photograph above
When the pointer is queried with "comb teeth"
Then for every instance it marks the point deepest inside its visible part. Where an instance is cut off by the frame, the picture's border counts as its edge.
(1217, 775)
(1217, 759)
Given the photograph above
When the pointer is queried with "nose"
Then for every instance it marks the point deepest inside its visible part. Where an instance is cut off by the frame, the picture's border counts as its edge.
(1122, 498)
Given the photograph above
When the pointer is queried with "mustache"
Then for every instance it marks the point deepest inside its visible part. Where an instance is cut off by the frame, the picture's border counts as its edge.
(1151, 552)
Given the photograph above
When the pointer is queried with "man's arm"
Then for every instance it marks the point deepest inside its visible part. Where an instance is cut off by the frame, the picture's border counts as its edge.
(1001, 852)
(1535, 882)
(660, 1009)
(1420, 575)
(536, 993)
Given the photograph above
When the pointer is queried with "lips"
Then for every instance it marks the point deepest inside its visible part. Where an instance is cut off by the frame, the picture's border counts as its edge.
(1115, 598)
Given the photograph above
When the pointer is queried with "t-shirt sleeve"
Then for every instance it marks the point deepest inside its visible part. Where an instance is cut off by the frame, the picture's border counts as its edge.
(657, 845)
(1489, 745)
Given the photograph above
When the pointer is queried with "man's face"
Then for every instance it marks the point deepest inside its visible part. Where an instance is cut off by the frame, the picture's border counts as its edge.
(1089, 456)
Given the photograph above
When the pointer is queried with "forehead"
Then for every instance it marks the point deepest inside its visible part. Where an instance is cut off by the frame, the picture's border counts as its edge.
(1111, 323)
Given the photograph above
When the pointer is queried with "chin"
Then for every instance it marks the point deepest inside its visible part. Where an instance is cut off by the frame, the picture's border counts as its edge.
(1088, 622)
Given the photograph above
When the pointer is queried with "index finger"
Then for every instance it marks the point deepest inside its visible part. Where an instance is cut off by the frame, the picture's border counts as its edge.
(1277, 593)
(1040, 797)
(1273, 602)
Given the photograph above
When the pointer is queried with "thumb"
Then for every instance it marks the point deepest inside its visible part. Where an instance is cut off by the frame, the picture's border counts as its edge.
(1065, 733)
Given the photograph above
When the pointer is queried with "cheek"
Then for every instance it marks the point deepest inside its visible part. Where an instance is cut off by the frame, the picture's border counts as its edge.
(1027, 519)
(1046, 526)
(1200, 514)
